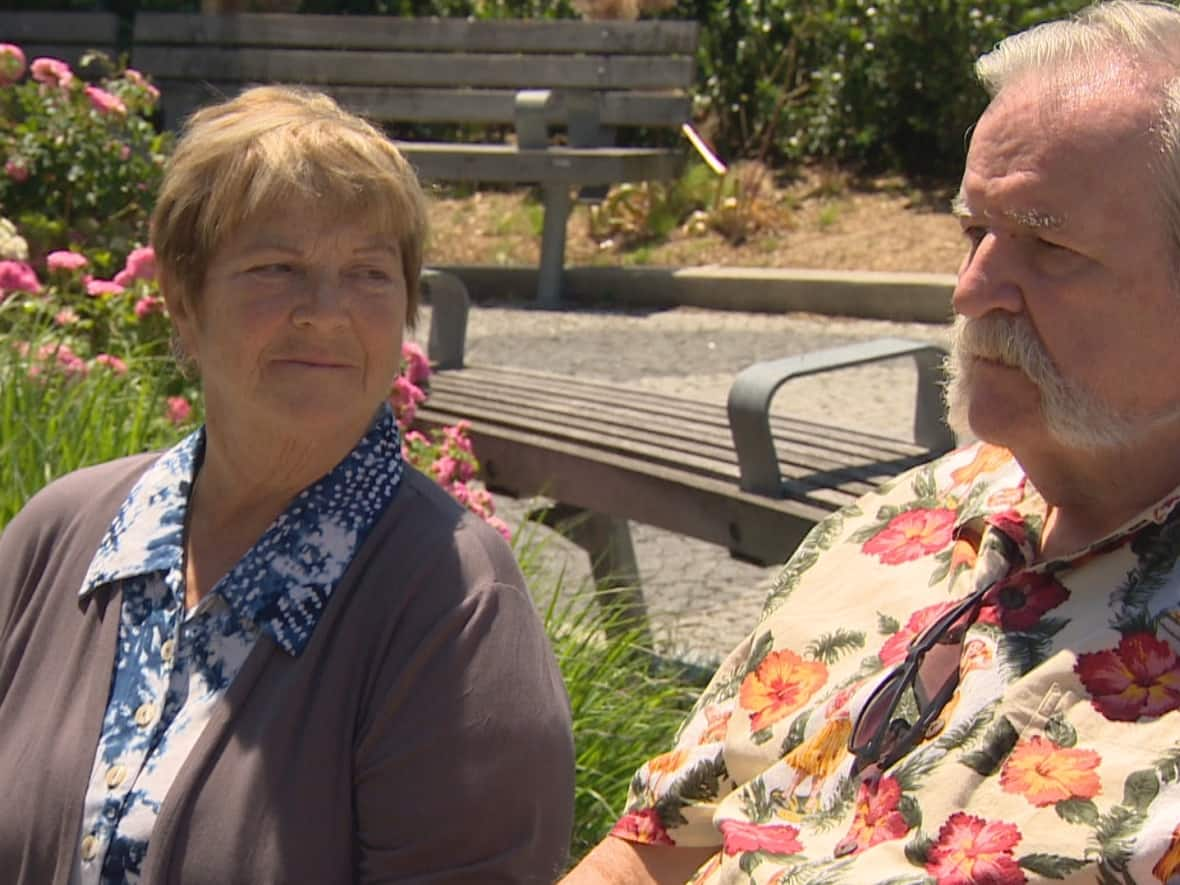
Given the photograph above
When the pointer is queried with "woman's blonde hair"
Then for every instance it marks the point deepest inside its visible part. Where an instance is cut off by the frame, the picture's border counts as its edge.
(270, 146)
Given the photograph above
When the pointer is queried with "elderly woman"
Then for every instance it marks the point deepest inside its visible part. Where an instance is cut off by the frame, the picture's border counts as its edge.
(276, 653)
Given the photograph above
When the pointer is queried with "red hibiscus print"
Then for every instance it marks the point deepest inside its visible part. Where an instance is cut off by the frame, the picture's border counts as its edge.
(644, 827)
(895, 647)
(739, 836)
(1019, 603)
(974, 851)
(911, 535)
(877, 818)
(1141, 677)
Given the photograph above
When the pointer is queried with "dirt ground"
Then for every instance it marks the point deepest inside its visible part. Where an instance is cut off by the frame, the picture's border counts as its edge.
(819, 220)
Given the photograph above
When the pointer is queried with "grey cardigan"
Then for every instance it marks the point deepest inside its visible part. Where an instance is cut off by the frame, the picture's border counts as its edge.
(422, 736)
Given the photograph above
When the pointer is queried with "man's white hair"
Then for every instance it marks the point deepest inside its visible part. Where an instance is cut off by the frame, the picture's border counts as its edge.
(1141, 33)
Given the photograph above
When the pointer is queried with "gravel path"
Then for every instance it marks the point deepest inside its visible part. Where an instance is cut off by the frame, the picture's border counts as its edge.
(701, 602)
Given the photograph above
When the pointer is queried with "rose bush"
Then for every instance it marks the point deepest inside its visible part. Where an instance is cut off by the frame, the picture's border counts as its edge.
(81, 160)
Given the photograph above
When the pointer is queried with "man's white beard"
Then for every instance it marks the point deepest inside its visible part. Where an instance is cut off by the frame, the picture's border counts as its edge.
(1075, 417)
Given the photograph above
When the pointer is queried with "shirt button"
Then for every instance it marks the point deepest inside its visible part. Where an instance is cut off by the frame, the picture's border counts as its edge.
(116, 774)
(145, 714)
(167, 650)
(89, 848)
(935, 728)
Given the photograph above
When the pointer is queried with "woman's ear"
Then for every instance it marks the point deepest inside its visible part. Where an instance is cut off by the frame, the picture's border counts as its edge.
(183, 315)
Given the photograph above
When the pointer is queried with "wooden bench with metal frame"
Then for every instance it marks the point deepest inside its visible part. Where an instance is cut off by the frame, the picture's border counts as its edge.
(735, 476)
(591, 79)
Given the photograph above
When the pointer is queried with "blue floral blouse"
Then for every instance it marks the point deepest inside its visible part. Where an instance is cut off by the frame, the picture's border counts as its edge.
(173, 665)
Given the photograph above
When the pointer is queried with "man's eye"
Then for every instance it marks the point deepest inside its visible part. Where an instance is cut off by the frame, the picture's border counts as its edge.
(1049, 245)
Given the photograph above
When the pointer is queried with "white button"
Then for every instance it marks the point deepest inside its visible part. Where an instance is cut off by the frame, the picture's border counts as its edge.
(145, 714)
(167, 650)
(89, 848)
(116, 774)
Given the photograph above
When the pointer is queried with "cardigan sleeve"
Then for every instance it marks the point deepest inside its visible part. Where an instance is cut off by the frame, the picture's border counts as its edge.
(464, 763)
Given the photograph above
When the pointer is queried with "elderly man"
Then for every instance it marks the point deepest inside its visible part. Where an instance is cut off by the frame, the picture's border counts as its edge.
(972, 676)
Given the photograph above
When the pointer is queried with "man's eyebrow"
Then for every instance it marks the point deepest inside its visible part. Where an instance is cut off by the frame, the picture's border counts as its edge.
(1033, 219)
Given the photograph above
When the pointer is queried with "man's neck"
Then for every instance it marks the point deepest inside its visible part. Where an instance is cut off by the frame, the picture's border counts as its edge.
(1091, 494)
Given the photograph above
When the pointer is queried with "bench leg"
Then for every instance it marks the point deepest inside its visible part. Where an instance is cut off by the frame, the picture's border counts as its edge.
(607, 541)
(557, 210)
(449, 306)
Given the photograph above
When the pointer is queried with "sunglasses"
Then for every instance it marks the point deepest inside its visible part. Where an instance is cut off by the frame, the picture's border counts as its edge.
(929, 675)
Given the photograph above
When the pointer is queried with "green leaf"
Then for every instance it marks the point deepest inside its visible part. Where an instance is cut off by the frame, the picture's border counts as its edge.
(997, 744)
(910, 810)
(1051, 866)
(1140, 789)
(795, 733)
(1078, 811)
(830, 647)
(887, 625)
(762, 736)
(762, 647)
(1060, 731)
(749, 861)
(917, 850)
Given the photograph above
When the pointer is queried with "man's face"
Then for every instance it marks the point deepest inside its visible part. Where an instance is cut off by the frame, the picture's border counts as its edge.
(1068, 309)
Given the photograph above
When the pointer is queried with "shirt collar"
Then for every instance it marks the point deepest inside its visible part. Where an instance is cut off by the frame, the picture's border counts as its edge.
(283, 582)
(998, 498)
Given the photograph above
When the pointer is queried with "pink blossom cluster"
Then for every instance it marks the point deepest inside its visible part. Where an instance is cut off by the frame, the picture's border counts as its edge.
(16, 169)
(104, 102)
(12, 64)
(140, 265)
(177, 409)
(51, 72)
(64, 260)
(17, 276)
(133, 76)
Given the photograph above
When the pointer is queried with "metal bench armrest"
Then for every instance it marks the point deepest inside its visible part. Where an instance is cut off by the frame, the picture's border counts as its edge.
(756, 385)
(449, 305)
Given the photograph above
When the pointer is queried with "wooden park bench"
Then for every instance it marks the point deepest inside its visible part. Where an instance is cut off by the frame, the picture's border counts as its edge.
(733, 475)
(63, 35)
(590, 79)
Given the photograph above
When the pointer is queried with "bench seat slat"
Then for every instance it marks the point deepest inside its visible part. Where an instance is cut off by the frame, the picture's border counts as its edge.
(429, 34)
(467, 69)
(619, 396)
(812, 452)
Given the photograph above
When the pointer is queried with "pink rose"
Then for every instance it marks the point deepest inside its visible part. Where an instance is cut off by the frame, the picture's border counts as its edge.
(178, 410)
(12, 64)
(417, 365)
(147, 305)
(64, 260)
(105, 103)
(52, 72)
(113, 363)
(100, 288)
(445, 469)
(16, 276)
(16, 170)
(140, 265)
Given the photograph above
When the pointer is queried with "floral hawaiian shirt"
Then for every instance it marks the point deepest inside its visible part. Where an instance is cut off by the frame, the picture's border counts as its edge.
(1057, 758)
(173, 665)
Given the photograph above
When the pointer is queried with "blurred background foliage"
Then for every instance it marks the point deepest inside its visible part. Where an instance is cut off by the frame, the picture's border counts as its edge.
(874, 85)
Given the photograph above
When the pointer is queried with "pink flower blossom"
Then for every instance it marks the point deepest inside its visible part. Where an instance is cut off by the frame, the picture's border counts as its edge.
(67, 316)
(105, 103)
(68, 361)
(178, 410)
(405, 398)
(99, 288)
(16, 276)
(147, 305)
(140, 265)
(16, 170)
(12, 64)
(113, 363)
(417, 365)
(456, 436)
(445, 469)
(64, 260)
(416, 437)
(133, 76)
(52, 72)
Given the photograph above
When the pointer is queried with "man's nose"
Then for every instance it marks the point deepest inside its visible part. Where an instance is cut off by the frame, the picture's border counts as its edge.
(990, 277)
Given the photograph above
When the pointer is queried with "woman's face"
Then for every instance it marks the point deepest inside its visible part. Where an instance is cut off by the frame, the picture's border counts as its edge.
(298, 325)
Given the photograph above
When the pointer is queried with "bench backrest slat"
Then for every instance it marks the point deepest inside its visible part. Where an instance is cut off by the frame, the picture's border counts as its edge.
(478, 107)
(344, 67)
(424, 34)
(60, 28)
